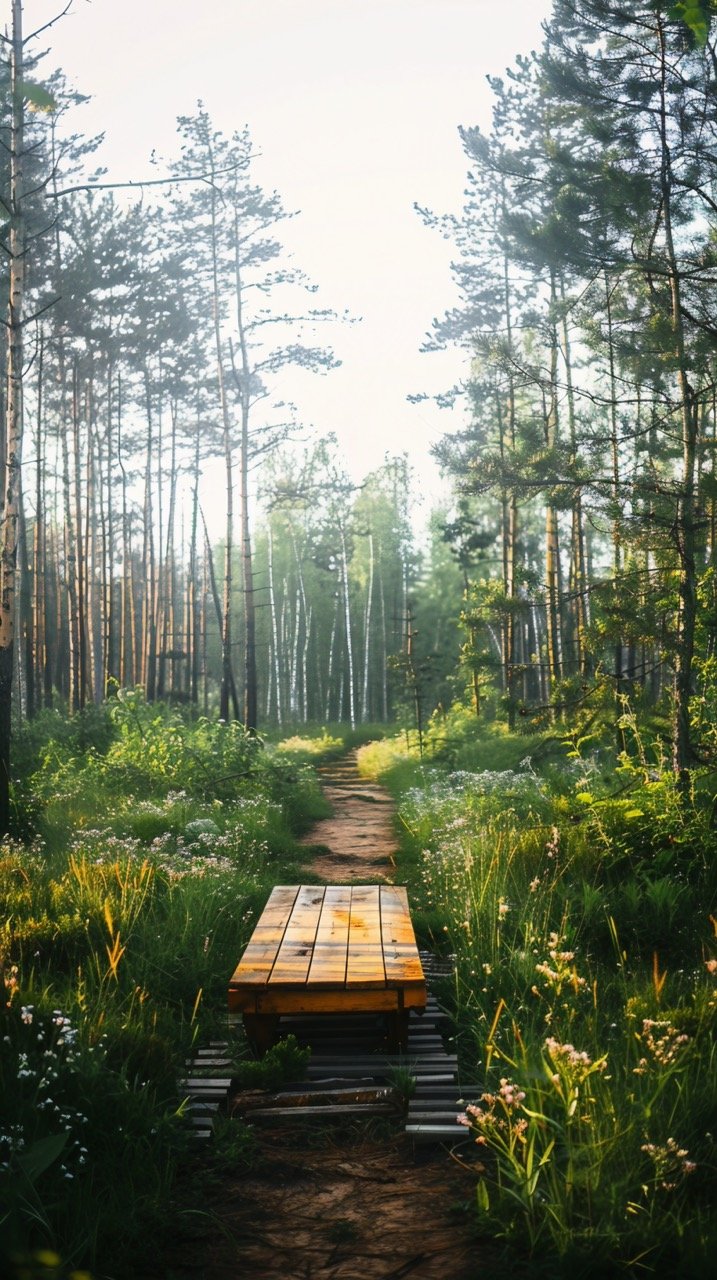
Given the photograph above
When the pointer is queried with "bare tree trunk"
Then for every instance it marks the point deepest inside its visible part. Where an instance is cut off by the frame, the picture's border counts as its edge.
(552, 548)
(93, 526)
(367, 634)
(579, 592)
(682, 754)
(384, 646)
(227, 679)
(80, 596)
(274, 627)
(193, 601)
(307, 627)
(615, 460)
(26, 621)
(347, 622)
(14, 411)
(330, 666)
(39, 545)
(250, 677)
(305, 666)
(149, 584)
(511, 532)
(203, 640)
(109, 639)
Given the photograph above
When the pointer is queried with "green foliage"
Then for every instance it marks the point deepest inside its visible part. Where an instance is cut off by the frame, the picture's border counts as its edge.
(581, 921)
(696, 15)
(323, 746)
(37, 96)
(120, 927)
(283, 1063)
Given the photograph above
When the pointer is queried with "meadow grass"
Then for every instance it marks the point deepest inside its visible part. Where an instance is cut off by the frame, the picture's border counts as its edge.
(156, 844)
(582, 921)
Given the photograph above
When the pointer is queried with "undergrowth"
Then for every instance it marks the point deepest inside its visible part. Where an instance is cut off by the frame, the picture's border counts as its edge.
(152, 845)
(575, 885)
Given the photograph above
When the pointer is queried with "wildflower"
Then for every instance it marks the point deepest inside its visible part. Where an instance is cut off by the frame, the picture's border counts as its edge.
(534, 884)
(711, 966)
(503, 908)
(510, 1095)
(671, 1163)
(27, 1014)
(663, 1042)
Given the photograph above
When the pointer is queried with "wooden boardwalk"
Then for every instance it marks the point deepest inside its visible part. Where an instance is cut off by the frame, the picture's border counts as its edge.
(351, 1073)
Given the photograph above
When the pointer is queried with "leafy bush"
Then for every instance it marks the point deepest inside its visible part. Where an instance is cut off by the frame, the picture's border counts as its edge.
(283, 1063)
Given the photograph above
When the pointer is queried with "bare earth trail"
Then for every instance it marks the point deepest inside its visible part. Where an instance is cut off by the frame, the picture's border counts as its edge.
(354, 1203)
(359, 836)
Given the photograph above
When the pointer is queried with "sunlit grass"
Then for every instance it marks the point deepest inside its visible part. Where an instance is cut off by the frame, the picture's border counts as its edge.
(122, 921)
(582, 999)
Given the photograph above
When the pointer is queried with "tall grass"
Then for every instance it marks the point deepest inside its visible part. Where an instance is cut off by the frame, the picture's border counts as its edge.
(156, 844)
(584, 1001)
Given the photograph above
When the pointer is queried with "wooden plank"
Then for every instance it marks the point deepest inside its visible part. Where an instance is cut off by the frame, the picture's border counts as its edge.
(365, 966)
(205, 1082)
(326, 1113)
(402, 962)
(426, 1102)
(258, 959)
(328, 963)
(451, 1096)
(295, 953)
(299, 1094)
(436, 1133)
(422, 1062)
(317, 1070)
(305, 999)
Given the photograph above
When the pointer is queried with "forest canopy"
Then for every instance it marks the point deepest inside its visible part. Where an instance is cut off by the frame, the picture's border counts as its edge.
(578, 559)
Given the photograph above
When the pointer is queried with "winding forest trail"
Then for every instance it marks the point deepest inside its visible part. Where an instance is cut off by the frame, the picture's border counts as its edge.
(354, 1202)
(357, 842)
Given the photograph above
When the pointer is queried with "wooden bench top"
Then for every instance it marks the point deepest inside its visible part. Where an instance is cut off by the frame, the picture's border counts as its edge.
(332, 948)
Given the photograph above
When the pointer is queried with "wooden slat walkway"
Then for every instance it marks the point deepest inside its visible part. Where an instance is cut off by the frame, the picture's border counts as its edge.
(348, 1059)
(350, 1072)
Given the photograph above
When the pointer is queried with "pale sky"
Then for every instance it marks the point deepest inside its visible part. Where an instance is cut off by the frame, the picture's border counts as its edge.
(354, 106)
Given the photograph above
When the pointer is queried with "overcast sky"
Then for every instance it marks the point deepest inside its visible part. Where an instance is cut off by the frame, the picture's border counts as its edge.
(354, 106)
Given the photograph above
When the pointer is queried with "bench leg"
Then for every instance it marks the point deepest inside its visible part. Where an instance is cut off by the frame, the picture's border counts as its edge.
(398, 1031)
(262, 1031)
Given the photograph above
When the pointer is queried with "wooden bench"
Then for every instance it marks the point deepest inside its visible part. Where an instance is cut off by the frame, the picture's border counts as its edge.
(330, 949)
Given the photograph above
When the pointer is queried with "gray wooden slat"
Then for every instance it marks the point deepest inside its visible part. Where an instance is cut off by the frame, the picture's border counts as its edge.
(201, 1082)
(430, 1133)
(326, 1113)
(434, 1104)
(435, 1117)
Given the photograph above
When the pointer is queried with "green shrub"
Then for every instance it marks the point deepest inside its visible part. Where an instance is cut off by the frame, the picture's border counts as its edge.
(283, 1063)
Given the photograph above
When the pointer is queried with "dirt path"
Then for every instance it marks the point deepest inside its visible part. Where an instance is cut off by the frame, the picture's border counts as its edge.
(359, 837)
(347, 1211)
(355, 1203)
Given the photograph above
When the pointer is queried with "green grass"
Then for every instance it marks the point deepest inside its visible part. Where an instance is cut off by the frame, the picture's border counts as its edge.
(581, 922)
(577, 894)
(156, 845)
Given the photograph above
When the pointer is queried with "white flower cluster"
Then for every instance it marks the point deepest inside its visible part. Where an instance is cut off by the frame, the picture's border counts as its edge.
(43, 1058)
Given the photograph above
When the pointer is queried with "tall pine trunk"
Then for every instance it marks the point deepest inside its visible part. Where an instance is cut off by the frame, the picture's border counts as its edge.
(14, 411)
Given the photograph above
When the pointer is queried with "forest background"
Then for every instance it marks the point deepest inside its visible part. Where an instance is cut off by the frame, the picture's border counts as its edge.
(550, 651)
